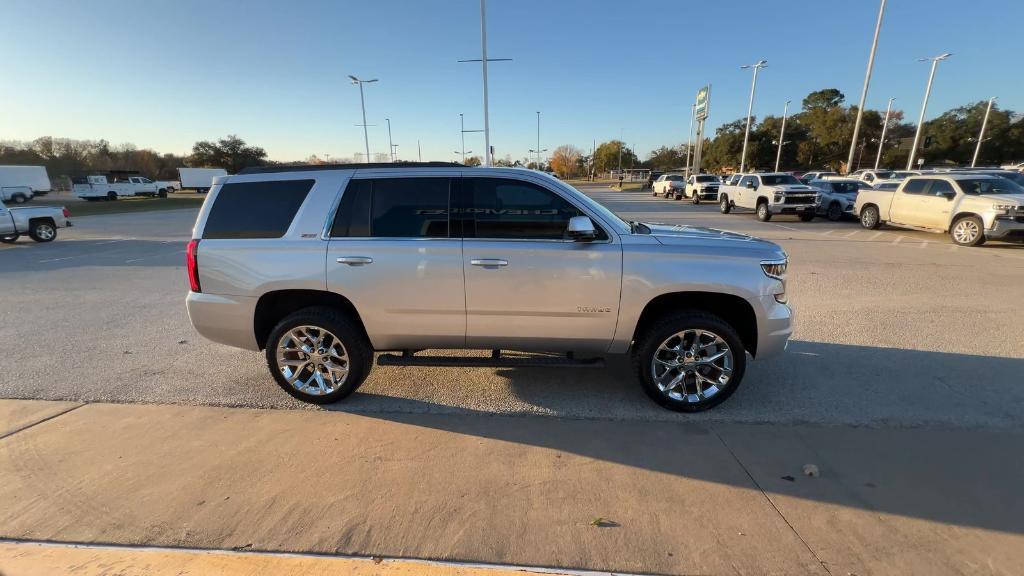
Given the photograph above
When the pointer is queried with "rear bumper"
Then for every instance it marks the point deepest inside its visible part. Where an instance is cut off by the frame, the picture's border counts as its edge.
(223, 319)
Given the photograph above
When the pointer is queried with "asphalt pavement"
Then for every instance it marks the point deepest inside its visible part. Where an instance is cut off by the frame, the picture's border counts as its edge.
(893, 328)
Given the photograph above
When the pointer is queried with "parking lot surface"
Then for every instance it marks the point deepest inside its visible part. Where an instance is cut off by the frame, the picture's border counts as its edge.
(892, 328)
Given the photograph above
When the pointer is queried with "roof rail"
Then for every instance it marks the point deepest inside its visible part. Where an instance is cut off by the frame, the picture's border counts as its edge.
(317, 167)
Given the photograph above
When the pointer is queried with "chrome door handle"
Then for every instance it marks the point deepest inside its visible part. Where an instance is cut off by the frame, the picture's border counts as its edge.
(488, 262)
(355, 260)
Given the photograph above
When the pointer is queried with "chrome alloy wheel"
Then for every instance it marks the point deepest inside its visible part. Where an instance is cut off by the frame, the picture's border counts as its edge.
(692, 365)
(312, 360)
(966, 231)
(45, 231)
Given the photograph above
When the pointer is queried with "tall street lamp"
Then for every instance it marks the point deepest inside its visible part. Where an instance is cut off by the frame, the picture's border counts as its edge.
(782, 135)
(981, 135)
(391, 147)
(462, 130)
(864, 92)
(924, 106)
(538, 150)
(750, 109)
(885, 127)
(483, 60)
(362, 102)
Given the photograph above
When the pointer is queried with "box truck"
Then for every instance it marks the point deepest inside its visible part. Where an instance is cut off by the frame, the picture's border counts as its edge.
(21, 183)
(199, 179)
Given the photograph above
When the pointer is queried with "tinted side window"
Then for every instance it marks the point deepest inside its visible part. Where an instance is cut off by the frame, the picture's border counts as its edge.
(915, 186)
(941, 187)
(504, 208)
(256, 209)
(394, 208)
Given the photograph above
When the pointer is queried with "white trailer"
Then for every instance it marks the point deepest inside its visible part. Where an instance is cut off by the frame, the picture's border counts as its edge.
(199, 179)
(34, 178)
(102, 187)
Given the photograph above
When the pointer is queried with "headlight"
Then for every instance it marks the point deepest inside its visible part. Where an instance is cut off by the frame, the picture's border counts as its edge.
(778, 196)
(817, 198)
(775, 268)
(1003, 209)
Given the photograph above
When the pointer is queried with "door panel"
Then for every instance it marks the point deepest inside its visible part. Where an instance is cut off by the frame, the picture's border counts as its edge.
(6, 223)
(410, 295)
(549, 296)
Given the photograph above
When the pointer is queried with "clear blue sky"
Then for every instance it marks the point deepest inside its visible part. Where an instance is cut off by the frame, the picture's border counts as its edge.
(165, 73)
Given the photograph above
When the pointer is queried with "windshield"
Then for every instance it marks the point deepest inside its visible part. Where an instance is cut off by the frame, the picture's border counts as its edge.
(676, 178)
(989, 186)
(622, 227)
(845, 187)
(707, 178)
(776, 180)
(883, 174)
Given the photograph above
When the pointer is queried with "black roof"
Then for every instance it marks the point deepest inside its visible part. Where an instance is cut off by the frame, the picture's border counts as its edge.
(316, 167)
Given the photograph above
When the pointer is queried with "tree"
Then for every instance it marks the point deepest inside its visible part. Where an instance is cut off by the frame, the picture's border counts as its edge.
(230, 153)
(723, 152)
(665, 158)
(473, 161)
(607, 156)
(565, 160)
(826, 99)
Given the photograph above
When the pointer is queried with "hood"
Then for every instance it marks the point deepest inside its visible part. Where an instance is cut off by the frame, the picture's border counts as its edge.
(1017, 199)
(669, 234)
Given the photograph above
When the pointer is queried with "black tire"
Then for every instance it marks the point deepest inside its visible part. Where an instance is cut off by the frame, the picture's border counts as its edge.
(807, 216)
(42, 230)
(764, 214)
(648, 344)
(834, 212)
(979, 228)
(352, 337)
(162, 193)
(111, 195)
(10, 239)
(677, 196)
(695, 198)
(869, 217)
(724, 206)
(654, 192)
(19, 199)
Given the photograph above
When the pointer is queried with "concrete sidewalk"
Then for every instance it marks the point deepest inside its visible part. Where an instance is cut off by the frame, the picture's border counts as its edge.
(529, 491)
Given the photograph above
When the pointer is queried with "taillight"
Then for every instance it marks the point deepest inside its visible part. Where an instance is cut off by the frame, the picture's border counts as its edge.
(191, 256)
(67, 213)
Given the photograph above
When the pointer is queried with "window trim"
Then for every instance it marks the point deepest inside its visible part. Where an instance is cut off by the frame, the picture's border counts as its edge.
(456, 182)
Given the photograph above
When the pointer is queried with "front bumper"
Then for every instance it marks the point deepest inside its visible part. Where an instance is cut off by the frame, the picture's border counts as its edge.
(792, 208)
(708, 194)
(774, 327)
(1005, 229)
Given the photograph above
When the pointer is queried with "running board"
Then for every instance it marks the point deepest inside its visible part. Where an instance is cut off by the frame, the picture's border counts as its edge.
(495, 360)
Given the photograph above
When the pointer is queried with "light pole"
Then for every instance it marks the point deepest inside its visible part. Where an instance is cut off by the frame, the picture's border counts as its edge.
(885, 127)
(419, 151)
(782, 135)
(462, 130)
(483, 60)
(981, 135)
(864, 92)
(362, 102)
(924, 106)
(689, 139)
(538, 140)
(391, 147)
(750, 109)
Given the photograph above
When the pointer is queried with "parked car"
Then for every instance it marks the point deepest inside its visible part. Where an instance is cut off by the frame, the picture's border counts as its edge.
(165, 187)
(808, 176)
(901, 174)
(769, 194)
(323, 266)
(34, 178)
(1015, 177)
(16, 194)
(669, 186)
(106, 187)
(654, 175)
(39, 222)
(702, 187)
(199, 179)
(870, 175)
(837, 197)
(972, 208)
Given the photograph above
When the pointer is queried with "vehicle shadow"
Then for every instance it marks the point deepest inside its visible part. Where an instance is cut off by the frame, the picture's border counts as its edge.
(857, 412)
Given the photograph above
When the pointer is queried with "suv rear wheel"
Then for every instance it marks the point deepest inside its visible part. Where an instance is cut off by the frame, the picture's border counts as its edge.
(690, 361)
(318, 355)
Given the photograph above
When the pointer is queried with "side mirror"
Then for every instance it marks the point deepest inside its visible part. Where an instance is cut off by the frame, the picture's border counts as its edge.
(948, 195)
(750, 184)
(581, 229)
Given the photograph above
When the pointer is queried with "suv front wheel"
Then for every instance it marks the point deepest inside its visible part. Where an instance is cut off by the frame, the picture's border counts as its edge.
(690, 361)
(318, 355)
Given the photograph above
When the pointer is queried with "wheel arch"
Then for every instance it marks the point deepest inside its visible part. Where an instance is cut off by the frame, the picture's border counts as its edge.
(960, 216)
(274, 306)
(733, 309)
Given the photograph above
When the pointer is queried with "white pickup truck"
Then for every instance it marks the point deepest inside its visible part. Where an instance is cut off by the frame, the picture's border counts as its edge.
(103, 187)
(972, 208)
(768, 194)
(39, 222)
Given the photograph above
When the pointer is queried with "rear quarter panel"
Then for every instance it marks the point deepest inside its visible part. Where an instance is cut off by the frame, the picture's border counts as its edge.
(880, 198)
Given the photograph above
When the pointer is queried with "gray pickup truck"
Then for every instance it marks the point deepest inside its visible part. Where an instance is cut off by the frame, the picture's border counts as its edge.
(322, 266)
(39, 222)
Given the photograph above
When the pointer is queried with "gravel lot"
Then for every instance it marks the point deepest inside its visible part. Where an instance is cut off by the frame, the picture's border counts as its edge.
(893, 328)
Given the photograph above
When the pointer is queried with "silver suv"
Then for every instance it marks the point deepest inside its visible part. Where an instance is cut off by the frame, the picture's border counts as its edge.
(322, 266)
